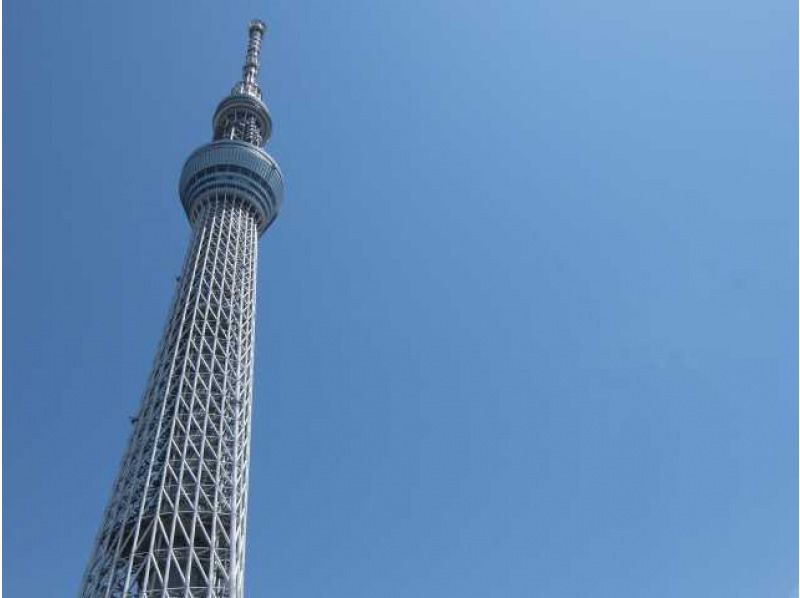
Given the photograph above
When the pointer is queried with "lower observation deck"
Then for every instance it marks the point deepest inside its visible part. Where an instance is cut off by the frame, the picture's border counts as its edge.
(236, 168)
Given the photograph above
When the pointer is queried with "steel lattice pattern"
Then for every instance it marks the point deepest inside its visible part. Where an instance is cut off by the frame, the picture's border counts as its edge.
(175, 524)
(176, 519)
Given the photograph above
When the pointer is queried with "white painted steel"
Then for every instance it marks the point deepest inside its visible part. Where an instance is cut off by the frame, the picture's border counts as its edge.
(175, 523)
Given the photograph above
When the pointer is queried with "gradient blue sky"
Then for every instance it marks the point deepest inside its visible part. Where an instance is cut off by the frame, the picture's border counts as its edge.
(527, 322)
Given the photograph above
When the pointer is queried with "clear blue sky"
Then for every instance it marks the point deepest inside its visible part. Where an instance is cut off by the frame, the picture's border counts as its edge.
(527, 322)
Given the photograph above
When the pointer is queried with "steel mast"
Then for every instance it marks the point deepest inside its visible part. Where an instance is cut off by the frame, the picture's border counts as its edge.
(175, 523)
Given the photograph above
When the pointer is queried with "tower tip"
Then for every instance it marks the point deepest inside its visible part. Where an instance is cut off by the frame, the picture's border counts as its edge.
(250, 70)
(258, 25)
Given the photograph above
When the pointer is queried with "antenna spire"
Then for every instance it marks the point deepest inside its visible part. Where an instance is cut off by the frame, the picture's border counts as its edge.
(249, 85)
(242, 115)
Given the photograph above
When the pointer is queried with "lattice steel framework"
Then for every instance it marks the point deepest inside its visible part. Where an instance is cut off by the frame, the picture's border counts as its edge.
(175, 524)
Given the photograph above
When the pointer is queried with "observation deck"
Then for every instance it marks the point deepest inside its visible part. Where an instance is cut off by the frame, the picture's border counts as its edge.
(236, 168)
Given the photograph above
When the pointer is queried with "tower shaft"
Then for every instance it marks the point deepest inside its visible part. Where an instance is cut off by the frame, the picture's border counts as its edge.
(175, 523)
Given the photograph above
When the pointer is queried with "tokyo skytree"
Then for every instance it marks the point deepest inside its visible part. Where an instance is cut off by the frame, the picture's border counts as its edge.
(175, 523)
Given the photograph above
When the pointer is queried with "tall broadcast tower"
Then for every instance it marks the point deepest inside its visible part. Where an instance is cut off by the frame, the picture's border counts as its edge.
(175, 524)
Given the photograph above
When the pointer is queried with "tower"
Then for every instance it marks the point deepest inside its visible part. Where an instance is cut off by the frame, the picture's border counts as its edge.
(175, 523)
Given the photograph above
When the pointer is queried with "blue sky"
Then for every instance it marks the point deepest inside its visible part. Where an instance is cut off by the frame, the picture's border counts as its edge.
(527, 323)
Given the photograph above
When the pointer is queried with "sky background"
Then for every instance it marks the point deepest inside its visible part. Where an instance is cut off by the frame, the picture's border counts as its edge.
(527, 322)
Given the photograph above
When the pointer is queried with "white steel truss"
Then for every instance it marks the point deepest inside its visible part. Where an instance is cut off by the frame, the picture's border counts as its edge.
(175, 524)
